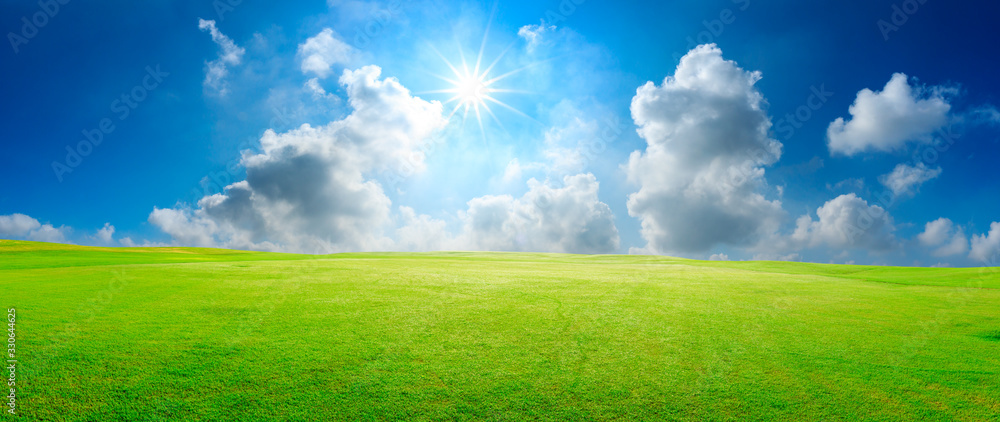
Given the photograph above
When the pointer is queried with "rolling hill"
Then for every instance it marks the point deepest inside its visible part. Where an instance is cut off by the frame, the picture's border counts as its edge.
(156, 334)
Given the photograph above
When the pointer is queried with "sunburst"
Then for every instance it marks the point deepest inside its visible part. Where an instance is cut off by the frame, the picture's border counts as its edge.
(474, 89)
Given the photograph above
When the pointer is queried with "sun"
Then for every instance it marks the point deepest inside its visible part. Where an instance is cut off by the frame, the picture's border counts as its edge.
(473, 90)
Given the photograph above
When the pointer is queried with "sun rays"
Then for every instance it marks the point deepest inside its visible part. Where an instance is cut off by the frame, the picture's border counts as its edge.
(474, 89)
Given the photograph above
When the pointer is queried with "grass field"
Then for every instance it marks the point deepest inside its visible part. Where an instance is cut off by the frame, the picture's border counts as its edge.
(146, 334)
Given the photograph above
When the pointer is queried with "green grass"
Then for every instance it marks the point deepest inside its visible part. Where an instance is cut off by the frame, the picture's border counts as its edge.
(197, 334)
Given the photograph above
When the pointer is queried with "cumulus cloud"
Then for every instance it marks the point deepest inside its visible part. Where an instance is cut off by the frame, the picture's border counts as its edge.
(986, 247)
(886, 120)
(945, 237)
(184, 226)
(230, 54)
(129, 243)
(719, 257)
(324, 50)
(48, 233)
(308, 190)
(701, 176)
(777, 257)
(20, 226)
(547, 218)
(936, 232)
(105, 234)
(17, 225)
(906, 179)
(847, 222)
(564, 218)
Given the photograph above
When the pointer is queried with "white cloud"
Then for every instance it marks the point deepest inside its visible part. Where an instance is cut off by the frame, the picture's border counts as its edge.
(561, 219)
(49, 233)
(184, 226)
(420, 233)
(958, 245)
(701, 175)
(17, 225)
(719, 257)
(129, 243)
(852, 184)
(308, 190)
(565, 148)
(847, 222)
(535, 34)
(20, 226)
(568, 219)
(317, 91)
(777, 257)
(982, 115)
(986, 247)
(886, 120)
(324, 50)
(936, 232)
(513, 172)
(906, 179)
(106, 233)
(230, 54)
(576, 139)
(947, 238)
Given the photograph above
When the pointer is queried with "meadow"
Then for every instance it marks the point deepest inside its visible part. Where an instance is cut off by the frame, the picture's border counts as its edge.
(158, 334)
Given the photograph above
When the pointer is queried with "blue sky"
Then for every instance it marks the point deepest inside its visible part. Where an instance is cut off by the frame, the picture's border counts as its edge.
(583, 156)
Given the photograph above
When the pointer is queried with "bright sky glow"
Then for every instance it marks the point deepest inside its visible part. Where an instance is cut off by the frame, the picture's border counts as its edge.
(806, 132)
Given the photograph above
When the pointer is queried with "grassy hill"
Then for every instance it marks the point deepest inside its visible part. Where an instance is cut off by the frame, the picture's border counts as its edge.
(147, 334)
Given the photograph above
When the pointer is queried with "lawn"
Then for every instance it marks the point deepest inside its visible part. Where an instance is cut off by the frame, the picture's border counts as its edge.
(148, 334)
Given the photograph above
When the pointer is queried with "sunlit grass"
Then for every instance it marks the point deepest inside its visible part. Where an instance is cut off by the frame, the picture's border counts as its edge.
(197, 334)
